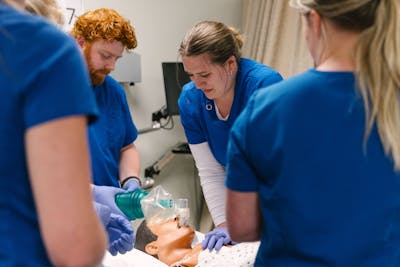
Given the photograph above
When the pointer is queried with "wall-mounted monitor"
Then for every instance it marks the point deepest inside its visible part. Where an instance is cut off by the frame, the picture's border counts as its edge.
(174, 79)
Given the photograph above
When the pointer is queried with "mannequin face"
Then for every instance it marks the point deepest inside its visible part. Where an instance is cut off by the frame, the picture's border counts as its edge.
(215, 80)
(172, 242)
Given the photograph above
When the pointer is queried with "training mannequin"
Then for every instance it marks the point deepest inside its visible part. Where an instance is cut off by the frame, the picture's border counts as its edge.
(172, 245)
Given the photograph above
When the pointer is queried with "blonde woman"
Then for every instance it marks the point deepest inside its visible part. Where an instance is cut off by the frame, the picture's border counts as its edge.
(313, 168)
(43, 147)
(118, 227)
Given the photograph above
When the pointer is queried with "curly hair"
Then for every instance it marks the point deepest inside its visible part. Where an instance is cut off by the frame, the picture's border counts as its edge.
(107, 24)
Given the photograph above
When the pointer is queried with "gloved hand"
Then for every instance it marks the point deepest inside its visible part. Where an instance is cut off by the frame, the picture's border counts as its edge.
(106, 195)
(103, 212)
(217, 238)
(119, 230)
(131, 185)
(120, 234)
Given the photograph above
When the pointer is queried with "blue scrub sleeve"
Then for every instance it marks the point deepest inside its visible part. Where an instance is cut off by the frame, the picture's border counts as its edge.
(270, 80)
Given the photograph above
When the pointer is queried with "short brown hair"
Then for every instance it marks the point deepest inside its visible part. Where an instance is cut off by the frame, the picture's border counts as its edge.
(144, 236)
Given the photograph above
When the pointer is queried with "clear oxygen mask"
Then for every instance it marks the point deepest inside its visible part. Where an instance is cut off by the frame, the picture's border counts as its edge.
(159, 206)
(155, 206)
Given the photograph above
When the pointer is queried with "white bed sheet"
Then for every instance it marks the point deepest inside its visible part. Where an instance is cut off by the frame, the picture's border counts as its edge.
(133, 258)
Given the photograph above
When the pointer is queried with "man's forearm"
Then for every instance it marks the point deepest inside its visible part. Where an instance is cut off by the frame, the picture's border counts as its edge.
(129, 164)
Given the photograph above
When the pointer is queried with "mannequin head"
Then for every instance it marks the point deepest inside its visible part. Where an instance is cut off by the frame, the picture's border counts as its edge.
(166, 240)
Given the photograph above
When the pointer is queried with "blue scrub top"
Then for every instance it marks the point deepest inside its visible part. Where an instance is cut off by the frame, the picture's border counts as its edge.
(112, 131)
(325, 198)
(42, 77)
(198, 115)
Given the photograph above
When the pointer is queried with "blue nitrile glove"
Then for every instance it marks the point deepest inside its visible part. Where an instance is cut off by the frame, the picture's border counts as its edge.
(106, 195)
(120, 235)
(119, 230)
(131, 185)
(216, 239)
(103, 212)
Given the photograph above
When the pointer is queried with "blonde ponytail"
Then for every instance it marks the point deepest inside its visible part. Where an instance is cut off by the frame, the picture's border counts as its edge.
(378, 69)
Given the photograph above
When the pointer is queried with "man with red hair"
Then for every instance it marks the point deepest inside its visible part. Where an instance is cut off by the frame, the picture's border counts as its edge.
(103, 34)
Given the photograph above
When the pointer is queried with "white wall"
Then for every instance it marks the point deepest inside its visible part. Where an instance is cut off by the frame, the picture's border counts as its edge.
(160, 25)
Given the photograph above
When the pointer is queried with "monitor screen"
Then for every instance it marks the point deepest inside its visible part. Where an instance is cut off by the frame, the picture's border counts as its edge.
(174, 79)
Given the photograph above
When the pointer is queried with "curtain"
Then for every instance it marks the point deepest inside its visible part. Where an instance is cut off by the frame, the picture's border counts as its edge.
(273, 36)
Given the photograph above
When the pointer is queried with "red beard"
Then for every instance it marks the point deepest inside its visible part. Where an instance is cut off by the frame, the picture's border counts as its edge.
(97, 76)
